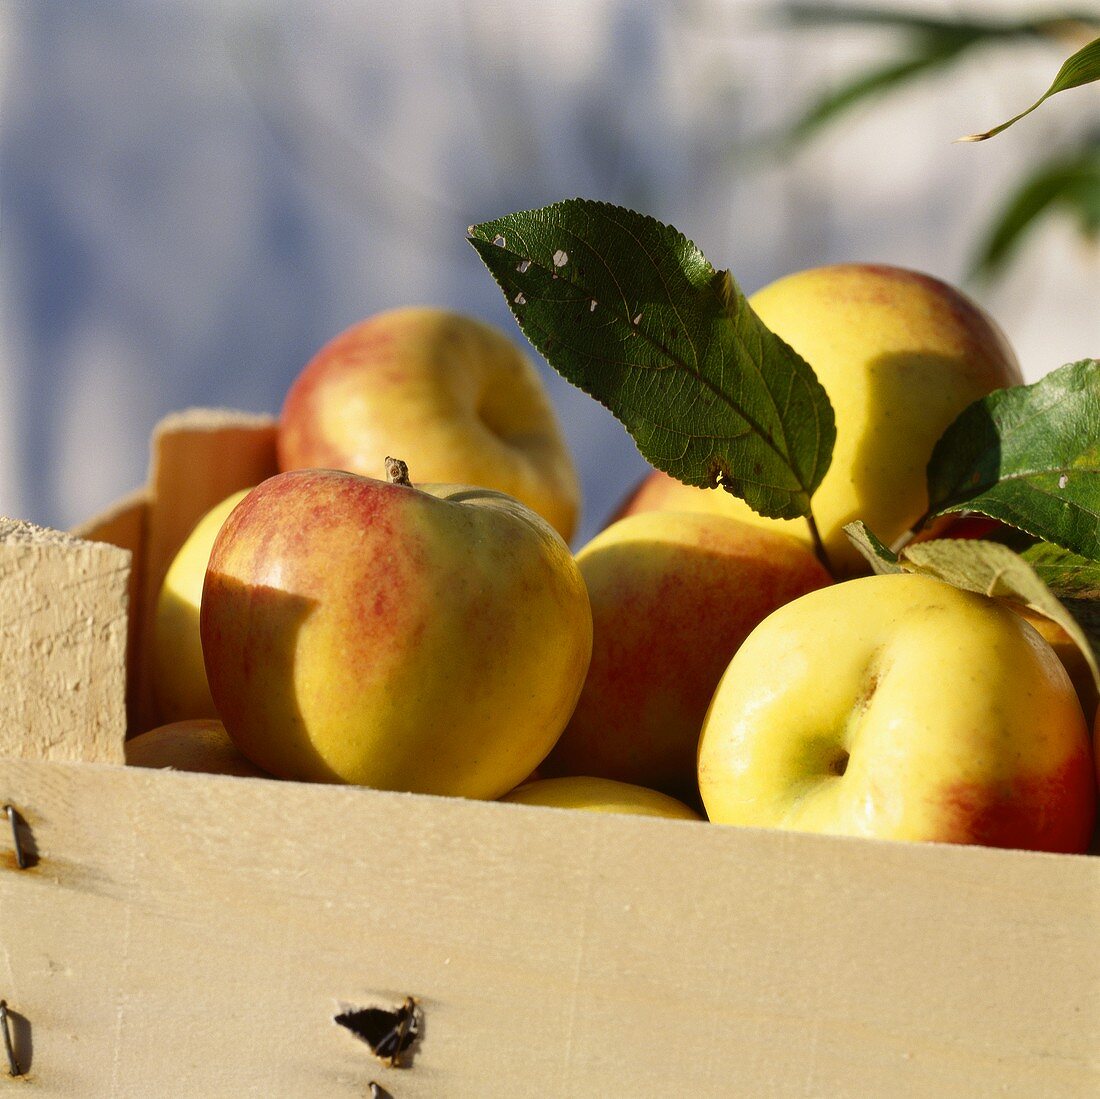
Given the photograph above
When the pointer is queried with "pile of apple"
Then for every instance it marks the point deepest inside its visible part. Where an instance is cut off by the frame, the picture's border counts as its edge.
(400, 607)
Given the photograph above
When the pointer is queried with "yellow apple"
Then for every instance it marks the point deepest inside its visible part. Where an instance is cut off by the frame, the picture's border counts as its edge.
(673, 595)
(902, 708)
(1069, 652)
(601, 795)
(179, 677)
(198, 745)
(900, 354)
(429, 638)
(452, 393)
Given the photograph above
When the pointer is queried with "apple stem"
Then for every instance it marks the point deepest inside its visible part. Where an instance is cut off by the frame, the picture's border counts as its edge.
(397, 472)
(819, 545)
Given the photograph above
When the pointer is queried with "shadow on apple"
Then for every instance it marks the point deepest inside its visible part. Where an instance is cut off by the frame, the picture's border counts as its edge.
(251, 666)
(877, 461)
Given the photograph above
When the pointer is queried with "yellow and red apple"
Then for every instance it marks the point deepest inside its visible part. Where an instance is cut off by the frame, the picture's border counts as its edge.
(600, 795)
(900, 707)
(201, 745)
(900, 355)
(180, 689)
(673, 595)
(429, 638)
(449, 392)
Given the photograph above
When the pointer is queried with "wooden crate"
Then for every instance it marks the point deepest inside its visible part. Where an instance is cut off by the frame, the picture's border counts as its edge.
(185, 935)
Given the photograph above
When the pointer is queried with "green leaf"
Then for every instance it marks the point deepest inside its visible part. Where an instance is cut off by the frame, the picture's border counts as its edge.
(1083, 67)
(1067, 183)
(931, 43)
(1028, 456)
(632, 312)
(1068, 575)
(996, 571)
(881, 558)
(816, 13)
(867, 85)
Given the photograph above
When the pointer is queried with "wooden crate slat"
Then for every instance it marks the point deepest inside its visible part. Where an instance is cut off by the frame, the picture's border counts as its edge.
(205, 930)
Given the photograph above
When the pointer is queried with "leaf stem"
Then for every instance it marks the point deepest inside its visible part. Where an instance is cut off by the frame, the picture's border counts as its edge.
(907, 536)
(819, 546)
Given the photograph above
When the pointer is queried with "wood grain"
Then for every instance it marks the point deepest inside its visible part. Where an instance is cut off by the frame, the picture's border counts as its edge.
(124, 525)
(195, 935)
(63, 639)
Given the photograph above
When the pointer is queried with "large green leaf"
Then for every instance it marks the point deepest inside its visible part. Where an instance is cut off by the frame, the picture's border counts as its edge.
(629, 310)
(1081, 68)
(1030, 457)
(1068, 575)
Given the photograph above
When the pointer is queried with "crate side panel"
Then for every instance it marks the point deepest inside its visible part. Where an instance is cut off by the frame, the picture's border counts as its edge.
(198, 458)
(64, 621)
(123, 525)
(187, 934)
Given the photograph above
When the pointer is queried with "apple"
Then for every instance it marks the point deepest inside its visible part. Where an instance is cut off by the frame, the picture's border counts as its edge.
(600, 795)
(900, 354)
(673, 595)
(1068, 651)
(448, 389)
(196, 745)
(1094, 846)
(429, 638)
(180, 689)
(900, 707)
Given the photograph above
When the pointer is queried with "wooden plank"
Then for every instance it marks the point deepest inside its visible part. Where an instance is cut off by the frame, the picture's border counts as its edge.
(195, 935)
(123, 525)
(63, 636)
(198, 458)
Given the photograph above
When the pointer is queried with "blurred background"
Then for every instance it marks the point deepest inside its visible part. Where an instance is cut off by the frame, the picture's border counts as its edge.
(195, 196)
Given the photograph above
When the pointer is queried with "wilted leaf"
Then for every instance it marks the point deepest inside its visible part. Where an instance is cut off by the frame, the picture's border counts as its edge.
(881, 558)
(631, 311)
(995, 570)
(1029, 456)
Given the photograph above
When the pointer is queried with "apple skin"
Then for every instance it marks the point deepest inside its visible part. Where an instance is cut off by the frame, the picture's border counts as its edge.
(180, 689)
(430, 638)
(673, 595)
(600, 795)
(900, 355)
(1073, 660)
(201, 744)
(900, 707)
(452, 394)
